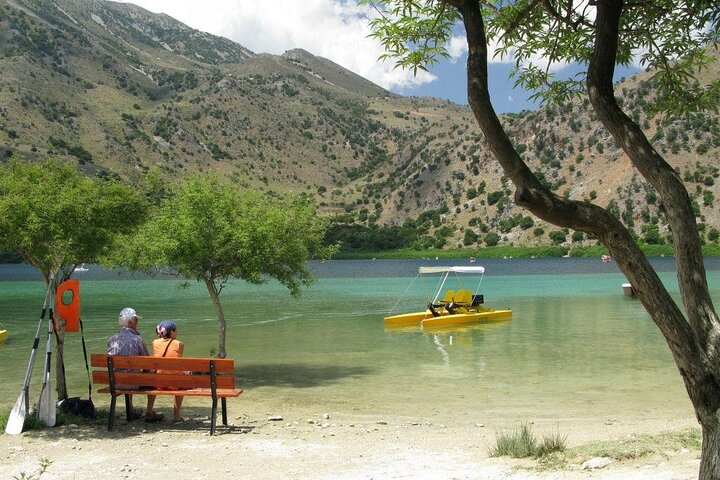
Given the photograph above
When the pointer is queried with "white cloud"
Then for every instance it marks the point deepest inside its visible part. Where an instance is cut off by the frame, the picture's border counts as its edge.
(331, 29)
(457, 48)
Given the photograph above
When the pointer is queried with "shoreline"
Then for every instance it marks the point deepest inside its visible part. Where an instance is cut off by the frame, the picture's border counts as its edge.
(269, 440)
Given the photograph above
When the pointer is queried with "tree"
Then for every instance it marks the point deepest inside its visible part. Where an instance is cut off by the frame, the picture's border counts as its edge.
(673, 37)
(57, 218)
(211, 232)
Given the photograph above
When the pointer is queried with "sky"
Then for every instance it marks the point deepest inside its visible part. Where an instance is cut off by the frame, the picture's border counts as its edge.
(338, 31)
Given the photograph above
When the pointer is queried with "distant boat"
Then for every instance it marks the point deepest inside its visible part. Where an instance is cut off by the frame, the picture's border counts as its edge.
(605, 258)
(81, 268)
(473, 259)
(628, 289)
(461, 307)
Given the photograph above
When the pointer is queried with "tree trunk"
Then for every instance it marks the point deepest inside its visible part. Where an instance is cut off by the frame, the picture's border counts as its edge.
(710, 458)
(696, 351)
(695, 341)
(220, 316)
(60, 382)
(59, 341)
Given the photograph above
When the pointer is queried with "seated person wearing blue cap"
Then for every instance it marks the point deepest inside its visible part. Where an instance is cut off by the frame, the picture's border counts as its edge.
(167, 345)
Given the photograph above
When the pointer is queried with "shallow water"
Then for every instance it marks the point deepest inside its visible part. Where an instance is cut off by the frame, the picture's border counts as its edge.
(576, 346)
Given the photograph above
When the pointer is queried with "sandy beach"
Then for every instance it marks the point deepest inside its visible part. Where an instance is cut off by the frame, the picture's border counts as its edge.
(269, 440)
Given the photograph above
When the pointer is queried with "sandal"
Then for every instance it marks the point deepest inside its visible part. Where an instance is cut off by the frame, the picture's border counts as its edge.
(154, 417)
(135, 415)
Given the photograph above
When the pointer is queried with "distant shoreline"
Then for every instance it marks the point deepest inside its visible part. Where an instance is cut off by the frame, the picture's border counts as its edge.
(556, 251)
(712, 250)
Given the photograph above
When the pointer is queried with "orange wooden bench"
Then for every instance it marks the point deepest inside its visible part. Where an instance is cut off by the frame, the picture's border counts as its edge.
(192, 377)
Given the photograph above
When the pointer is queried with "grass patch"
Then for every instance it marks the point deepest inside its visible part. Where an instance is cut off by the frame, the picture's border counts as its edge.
(522, 443)
(627, 449)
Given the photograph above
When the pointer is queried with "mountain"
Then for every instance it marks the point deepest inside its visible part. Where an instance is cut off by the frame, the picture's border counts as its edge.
(120, 91)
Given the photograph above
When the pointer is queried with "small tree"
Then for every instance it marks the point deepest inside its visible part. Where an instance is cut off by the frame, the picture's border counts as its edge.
(58, 218)
(212, 232)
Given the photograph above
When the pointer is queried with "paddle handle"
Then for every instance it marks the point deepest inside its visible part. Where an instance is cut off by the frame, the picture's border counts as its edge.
(36, 343)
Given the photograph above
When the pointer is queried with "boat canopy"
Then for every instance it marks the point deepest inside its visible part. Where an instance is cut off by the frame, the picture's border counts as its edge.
(457, 269)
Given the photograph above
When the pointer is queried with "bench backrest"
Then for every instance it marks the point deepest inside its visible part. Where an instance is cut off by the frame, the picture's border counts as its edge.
(183, 372)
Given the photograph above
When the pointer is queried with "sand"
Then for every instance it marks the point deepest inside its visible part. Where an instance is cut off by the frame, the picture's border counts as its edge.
(269, 440)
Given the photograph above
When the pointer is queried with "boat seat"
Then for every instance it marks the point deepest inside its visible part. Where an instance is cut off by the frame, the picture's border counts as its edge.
(449, 298)
(464, 298)
(477, 300)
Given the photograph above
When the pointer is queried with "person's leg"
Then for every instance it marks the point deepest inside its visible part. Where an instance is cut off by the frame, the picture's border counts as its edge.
(130, 411)
(176, 409)
(150, 415)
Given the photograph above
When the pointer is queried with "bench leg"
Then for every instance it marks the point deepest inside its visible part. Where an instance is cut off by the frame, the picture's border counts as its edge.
(224, 410)
(111, 417)
(213, 416)
(128, 415)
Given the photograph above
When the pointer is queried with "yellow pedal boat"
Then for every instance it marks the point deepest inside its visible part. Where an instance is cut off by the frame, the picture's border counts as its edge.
(456, 307)
(3, 335)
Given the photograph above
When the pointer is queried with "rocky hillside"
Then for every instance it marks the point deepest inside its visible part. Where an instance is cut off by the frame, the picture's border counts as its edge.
(120, 90)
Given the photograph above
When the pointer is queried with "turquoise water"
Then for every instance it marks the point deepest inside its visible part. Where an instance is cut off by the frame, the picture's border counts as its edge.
(576, 346)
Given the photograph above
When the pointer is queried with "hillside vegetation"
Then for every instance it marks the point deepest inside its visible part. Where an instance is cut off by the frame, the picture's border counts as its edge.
(120, 91)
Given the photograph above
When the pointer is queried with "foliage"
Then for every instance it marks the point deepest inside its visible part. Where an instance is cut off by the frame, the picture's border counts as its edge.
(491, 239)
(56, 217)
(212, 231)
(354, 237)
(421, 38)
(557, 236)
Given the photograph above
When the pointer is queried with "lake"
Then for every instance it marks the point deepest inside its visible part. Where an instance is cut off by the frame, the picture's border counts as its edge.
(575, 347)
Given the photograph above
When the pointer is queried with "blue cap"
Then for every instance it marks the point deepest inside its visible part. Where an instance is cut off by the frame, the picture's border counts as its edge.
(165, 328)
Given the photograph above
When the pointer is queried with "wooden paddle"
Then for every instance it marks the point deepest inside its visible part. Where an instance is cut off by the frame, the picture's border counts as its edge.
(47, 404)
(20, 409)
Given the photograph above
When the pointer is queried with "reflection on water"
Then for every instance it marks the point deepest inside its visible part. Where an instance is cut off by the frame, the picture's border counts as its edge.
(574, 347)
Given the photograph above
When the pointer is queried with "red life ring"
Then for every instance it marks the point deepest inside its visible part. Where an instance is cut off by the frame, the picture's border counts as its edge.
(67, 302)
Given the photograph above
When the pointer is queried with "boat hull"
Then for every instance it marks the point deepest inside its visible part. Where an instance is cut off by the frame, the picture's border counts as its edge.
(407, 319)
(3, 335)
(465, 318)
(427, 320)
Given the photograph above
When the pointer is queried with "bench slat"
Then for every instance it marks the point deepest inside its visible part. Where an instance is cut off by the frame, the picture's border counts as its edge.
(161, 379)
(194, 364)
(195, 392)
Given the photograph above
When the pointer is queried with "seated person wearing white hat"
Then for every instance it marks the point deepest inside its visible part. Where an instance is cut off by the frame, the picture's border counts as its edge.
(129, 342)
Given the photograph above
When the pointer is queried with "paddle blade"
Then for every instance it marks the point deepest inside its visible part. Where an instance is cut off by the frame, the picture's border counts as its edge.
(17, 416)
(46, 404)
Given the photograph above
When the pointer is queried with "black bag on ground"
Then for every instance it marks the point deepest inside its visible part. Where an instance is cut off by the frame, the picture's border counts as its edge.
(78, 407)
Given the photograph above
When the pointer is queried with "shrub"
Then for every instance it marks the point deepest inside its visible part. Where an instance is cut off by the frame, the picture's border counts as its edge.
(493, 197)
(518, 443)
(557, 236)
(551, 443)
(713, 235)
(491, 239)
(521, 443)
(470, 237)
